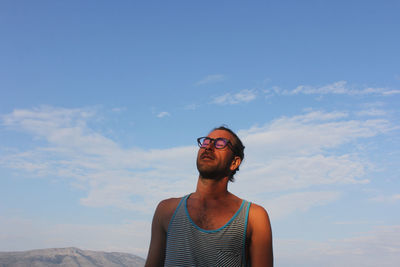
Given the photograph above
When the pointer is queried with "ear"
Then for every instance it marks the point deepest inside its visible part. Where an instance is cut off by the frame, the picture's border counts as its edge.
(235, 163)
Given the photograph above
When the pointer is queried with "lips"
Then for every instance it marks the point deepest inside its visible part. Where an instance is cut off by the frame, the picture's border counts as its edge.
(207, 156)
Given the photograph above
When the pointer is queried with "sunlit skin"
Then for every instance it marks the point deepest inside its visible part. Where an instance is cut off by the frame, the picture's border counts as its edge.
(211, 206)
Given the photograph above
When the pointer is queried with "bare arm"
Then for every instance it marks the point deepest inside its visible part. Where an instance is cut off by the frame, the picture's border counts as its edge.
(260, 238)
(161, 218)
(156, 253)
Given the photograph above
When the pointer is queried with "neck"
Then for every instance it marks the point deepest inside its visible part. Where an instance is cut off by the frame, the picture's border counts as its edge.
(212, 189)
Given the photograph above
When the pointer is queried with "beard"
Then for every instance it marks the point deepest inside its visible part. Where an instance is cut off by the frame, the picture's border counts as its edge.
(212, 172)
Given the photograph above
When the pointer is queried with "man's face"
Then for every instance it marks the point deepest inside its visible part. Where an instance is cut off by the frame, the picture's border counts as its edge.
(215, 163)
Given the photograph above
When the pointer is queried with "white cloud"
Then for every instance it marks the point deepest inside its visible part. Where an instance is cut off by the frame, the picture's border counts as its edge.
(308, 134)
(293, 153)
(211, 79)
(391, 92)
(335, 88)
(386, 199)
(289, 173)
(284, 205)
(119, 109)
(378, 247)
(340, 87)
(243, 96)
(191, 107)
(163, 114)
(357, 222)
(111, 175)
(377, 104)
(372, 112)
(290, 153)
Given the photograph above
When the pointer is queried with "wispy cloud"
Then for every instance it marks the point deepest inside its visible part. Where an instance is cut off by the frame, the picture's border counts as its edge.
(295, 153)
(372, 112)
(386, 199)
(378, 247)
(391, 92)
(136, 179)
(211, 79)
(89, 159)
(163, 114)
(243, 96)
(119, 109)
(358, 222)
(338, 88)
(298, 202)
(191, 106)
(335, 88)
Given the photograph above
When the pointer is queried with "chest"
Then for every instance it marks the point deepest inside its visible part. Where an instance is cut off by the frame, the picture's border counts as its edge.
(189, 246)
(212, 216)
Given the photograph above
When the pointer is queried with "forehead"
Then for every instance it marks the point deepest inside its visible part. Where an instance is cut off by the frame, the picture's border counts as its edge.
(221, 133)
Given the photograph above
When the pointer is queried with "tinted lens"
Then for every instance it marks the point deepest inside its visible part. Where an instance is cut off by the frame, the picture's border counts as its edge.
(220, 143)
(204, 142)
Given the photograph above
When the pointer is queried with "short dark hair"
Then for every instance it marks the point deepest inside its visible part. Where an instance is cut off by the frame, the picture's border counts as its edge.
(238, 147)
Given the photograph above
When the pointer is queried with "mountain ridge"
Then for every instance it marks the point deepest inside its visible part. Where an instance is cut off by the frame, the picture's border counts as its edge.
(68, 257)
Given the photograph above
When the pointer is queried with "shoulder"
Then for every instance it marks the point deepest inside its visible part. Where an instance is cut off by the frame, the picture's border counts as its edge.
(168, 205)
(259, 237)
(256, 209)
(258, 218)
(165, 209)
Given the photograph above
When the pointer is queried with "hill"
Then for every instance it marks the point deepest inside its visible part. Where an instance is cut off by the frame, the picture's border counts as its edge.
(68, 257)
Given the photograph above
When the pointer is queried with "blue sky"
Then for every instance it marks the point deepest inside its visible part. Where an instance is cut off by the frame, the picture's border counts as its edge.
(101, 104)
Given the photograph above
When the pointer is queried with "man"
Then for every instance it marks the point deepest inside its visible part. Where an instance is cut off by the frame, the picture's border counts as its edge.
(212, 227)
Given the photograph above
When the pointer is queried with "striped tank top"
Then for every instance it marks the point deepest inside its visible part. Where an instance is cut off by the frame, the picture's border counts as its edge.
(189, 245)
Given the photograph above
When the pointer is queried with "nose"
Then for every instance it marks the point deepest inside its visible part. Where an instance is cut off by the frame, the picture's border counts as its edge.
(210, 146)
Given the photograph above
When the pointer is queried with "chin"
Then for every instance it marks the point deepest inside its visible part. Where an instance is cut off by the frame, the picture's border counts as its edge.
(212, 175)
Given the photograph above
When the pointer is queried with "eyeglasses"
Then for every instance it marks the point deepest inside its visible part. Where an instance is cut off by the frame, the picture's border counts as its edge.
(219, 143)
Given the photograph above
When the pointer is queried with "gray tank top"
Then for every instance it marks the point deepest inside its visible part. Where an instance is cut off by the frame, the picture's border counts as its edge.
(189, 245)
